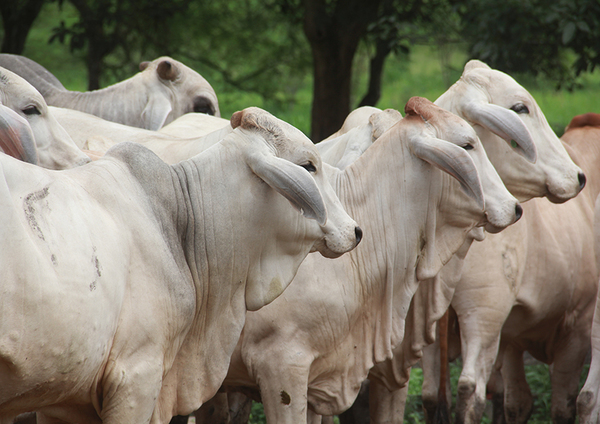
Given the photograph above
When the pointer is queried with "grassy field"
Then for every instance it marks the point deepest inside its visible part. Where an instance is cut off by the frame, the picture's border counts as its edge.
(428, 72)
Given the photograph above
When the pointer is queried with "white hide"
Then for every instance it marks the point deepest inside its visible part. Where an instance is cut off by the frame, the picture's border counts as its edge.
(314, 345)
(126, 281)
(98, 135)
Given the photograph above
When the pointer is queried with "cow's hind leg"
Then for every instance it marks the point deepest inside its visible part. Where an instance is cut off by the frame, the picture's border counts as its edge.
(386, 407)
(518, 400)
(565, 373)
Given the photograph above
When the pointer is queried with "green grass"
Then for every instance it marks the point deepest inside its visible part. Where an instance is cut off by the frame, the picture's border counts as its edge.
(537, 375)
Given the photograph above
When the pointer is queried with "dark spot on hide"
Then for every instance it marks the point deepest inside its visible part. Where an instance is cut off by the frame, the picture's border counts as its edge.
(53, 259)
(29, 209)
(97, 267)
(285, 397)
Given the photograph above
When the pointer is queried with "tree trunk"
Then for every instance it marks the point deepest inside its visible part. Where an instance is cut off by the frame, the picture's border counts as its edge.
(333, 31)
(94, 61)
(17, 22)
(375, 74)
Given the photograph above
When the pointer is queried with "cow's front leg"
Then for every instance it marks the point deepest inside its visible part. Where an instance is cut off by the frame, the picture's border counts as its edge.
(130, 390)
(284, 389)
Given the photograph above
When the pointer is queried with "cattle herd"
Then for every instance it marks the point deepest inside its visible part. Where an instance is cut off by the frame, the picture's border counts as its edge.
(159, 261)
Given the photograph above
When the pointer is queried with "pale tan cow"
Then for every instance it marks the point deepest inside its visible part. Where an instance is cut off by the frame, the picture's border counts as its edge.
(531, 288)
(588, 402)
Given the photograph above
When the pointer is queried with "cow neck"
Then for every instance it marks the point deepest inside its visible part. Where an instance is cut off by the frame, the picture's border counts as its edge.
(383, 191)
(114, 103)
(218, 268)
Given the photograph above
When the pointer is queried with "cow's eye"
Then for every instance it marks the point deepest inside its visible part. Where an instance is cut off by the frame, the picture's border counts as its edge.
(203, 105)
(309, 167)
(31, 110)
(520, 108)
(468, 147)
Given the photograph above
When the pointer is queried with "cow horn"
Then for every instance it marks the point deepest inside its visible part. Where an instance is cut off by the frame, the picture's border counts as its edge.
(167, 70)
(419, 106)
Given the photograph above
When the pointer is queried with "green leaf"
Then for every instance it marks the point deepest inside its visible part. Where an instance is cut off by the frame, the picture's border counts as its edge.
(568, 32)
(583, 26)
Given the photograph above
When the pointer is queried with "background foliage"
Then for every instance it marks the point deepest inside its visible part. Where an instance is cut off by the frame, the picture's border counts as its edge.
(282, 53)
(255, 53)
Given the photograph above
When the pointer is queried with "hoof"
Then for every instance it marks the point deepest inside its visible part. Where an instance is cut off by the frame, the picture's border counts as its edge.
(466, 386)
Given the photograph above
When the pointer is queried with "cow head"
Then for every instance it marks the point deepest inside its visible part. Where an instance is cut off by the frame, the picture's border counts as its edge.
(288, 162)
(54, 147)
(449, 143)
(174, 90)
(518, 140)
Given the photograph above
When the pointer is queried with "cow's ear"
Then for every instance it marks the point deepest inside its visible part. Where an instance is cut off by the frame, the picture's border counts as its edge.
(144, 65)
(383, 121)
(451, 159)
(291, 181)
(167, 70)
(156, 111)
(16, 137)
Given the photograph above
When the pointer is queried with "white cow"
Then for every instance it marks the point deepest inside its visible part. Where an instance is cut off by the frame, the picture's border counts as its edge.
(164, 90)
(356, 118)
(488, 99)
(50, 145)
(121, 276)
(344, 149)
(98, 135)
(194, 125)
(313, 359)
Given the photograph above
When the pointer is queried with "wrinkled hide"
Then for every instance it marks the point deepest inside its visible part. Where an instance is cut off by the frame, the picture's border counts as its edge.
(126, 281)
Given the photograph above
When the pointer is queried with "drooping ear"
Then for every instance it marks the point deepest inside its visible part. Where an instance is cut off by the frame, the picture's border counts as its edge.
(503, 122)
(16, 137)
(291, 181)
(167, 70)
(144, 65)
(156, 111)
(451, 159)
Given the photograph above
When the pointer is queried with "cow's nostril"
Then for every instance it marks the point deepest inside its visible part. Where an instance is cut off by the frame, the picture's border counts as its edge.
(518, 212)
(358, 233)
(582, 180)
